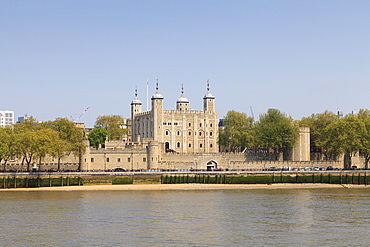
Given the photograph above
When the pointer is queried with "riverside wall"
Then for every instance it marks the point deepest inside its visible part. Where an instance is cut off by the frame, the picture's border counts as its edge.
(34, 180)
(131, 161)
(234, 161)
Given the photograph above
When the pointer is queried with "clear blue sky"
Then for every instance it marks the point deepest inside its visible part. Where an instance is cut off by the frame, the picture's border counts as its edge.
(302, 57)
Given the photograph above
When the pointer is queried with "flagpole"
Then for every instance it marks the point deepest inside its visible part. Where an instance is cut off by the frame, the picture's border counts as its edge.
(147, 97)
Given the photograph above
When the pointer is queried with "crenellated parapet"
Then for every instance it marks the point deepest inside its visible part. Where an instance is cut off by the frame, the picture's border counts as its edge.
(145, 113)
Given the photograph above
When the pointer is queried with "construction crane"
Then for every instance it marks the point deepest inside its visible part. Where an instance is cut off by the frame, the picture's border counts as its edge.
(252, 112)
(74, 120)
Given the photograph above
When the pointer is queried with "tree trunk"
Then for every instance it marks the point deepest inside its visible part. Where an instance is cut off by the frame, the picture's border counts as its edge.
(367, 158)
(79, 162)
(22, 163)
(347, 161)
(58, 164)
(40, 164)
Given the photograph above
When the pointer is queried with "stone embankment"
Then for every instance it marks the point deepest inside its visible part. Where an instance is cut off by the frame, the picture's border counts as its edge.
(38, 180)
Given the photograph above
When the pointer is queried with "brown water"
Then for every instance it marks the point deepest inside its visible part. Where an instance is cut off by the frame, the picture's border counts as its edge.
(288, 217)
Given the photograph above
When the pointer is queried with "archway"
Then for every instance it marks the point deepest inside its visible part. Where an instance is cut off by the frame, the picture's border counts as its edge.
(211, 165)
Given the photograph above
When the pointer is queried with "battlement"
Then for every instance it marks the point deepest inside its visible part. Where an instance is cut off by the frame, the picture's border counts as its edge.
(145, 113)
(182, 112)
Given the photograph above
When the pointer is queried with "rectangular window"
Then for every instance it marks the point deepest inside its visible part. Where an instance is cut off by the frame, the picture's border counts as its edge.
(118, 159)
(107, 159)
(92, 159)
(144, 159)
(128, 159)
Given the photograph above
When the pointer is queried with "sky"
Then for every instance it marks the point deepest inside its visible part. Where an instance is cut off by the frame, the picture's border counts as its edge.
(58, 58)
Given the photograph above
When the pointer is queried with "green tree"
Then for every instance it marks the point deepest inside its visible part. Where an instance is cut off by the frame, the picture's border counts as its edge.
(72, 139)
(29, 123)
(317, 124)
(238, 131)
(8, 146)
(114, 124)
(45, 142)
(59, 150)
(26, 140)
(318, 137)
(364, 116)
(276, 131)
(346, 136)
(97, 137)
(27, 146)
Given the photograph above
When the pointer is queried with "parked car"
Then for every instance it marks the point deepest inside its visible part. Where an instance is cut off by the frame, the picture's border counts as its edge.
(118, 169)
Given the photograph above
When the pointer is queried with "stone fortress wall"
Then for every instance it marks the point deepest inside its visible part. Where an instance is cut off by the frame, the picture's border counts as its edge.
(181, 139)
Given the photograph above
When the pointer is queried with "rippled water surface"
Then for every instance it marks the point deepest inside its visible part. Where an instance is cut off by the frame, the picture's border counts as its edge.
(288, 217)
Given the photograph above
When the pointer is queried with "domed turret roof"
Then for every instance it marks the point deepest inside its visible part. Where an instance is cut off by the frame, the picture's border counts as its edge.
(208, 95)
(182, 98)
(136, 100)
(157, 95)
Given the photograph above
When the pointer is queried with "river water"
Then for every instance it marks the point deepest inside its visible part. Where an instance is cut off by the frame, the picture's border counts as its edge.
(270, 217)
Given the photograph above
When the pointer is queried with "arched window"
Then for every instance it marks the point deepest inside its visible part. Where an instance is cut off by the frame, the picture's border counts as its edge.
(200, 133)
(189, 145)
(178, 145)
(167, 132)
(210, 133)
(189, 133)
(211, 145)
(201, 145)
(178, 132)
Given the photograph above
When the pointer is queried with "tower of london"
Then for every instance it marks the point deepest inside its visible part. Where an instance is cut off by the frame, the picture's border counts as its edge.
(181, 130)
(179, 139)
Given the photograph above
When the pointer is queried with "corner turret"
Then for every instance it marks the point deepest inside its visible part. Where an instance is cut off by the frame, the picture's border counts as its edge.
(157, 113)
(136, 107)
(182, 103)
(208, 101)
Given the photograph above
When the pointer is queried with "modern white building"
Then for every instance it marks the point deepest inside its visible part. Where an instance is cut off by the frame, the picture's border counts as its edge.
(6, 118)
